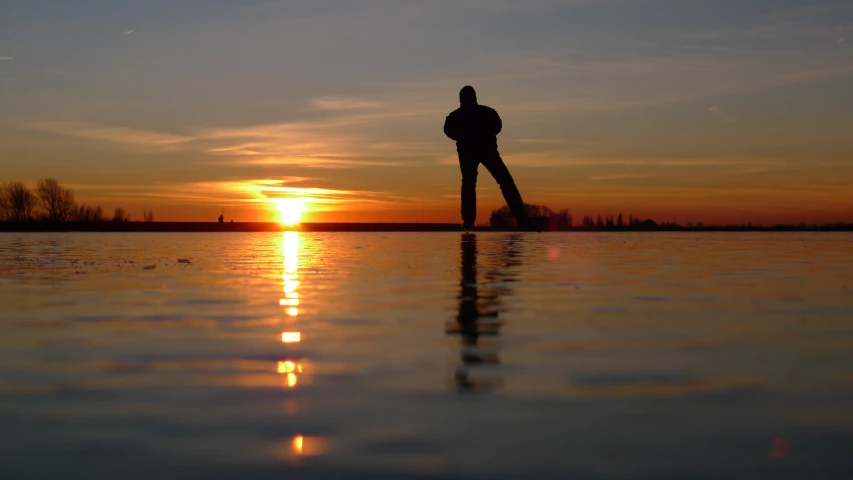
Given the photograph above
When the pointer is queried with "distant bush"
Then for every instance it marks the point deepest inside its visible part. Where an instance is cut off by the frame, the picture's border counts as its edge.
(539, 215)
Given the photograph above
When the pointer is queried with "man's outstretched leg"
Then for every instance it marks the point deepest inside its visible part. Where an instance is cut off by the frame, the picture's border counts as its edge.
(469, 192)
(495, 165)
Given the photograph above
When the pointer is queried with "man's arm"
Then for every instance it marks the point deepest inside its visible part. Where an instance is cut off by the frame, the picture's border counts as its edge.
(450, 128)
(497, 124)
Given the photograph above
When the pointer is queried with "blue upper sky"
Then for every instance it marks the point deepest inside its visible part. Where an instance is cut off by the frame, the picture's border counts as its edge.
(700, 109)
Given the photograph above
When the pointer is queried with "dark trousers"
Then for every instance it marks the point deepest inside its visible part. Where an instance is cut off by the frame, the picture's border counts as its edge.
(495, 165)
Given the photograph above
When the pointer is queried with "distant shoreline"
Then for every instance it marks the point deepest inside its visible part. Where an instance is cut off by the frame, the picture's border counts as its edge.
(211, 227)
(245, 227)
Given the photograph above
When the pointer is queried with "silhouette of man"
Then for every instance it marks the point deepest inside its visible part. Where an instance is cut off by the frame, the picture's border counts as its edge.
(475, 128)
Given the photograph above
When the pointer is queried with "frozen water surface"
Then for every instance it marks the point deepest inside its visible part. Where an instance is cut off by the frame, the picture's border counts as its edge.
(583, 356)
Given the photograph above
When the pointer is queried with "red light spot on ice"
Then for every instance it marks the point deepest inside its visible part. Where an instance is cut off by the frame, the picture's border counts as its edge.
(553, 253)
(779, 448)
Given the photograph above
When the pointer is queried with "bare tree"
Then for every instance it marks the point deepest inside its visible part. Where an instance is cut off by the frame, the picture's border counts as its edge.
(86, 213)
(148, 216)
(5, 214)
(5, 206)
(57, 200)
(121, 215)
(564, 220)
(17, 202)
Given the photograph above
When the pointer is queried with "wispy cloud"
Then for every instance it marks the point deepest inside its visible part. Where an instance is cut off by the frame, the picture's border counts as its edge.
(344, 103)
(773, 31)
(538, 141)
(722, 114)
(813, 74)
(436, 7)
(321, 197)
(252, 193)
(342, 141)
(128, 32)
(836, 164)
(328, 143)
(620, 176)
(6, 58)
(635, 83)
(746, 171)
(564, 158)
(113, 134)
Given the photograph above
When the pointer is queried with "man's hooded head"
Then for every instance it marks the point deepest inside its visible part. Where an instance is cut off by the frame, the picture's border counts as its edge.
(468, 96)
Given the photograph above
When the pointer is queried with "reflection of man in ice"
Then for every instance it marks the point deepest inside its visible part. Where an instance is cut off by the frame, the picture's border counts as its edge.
(477, 314)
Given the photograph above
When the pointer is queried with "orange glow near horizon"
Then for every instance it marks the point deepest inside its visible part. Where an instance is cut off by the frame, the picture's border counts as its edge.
(710, 206)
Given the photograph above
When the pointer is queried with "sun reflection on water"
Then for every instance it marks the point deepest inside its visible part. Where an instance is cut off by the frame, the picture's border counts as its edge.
(286, 367)
(290, 281)
(291, 337)
(299, 446)
(290, 276)
(302, 446)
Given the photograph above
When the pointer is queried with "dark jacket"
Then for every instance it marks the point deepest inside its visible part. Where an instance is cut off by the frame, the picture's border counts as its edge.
(475, 129)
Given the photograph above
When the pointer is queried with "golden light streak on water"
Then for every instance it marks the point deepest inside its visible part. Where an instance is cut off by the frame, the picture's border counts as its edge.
(286, 367)
(291, 337)
(290, 276)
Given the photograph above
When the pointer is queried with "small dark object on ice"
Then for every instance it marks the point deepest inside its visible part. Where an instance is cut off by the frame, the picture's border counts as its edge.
(183, 260)
(149, 267)
(529, 226)
(463, 381)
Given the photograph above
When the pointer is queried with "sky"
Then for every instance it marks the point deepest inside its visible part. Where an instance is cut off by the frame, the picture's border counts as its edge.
(714, 111)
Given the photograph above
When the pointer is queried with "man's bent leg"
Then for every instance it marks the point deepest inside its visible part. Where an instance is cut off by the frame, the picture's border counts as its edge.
(498, 169)
(469, 190)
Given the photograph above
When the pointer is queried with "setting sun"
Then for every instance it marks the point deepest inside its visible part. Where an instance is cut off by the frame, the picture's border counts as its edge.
(290, 210)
